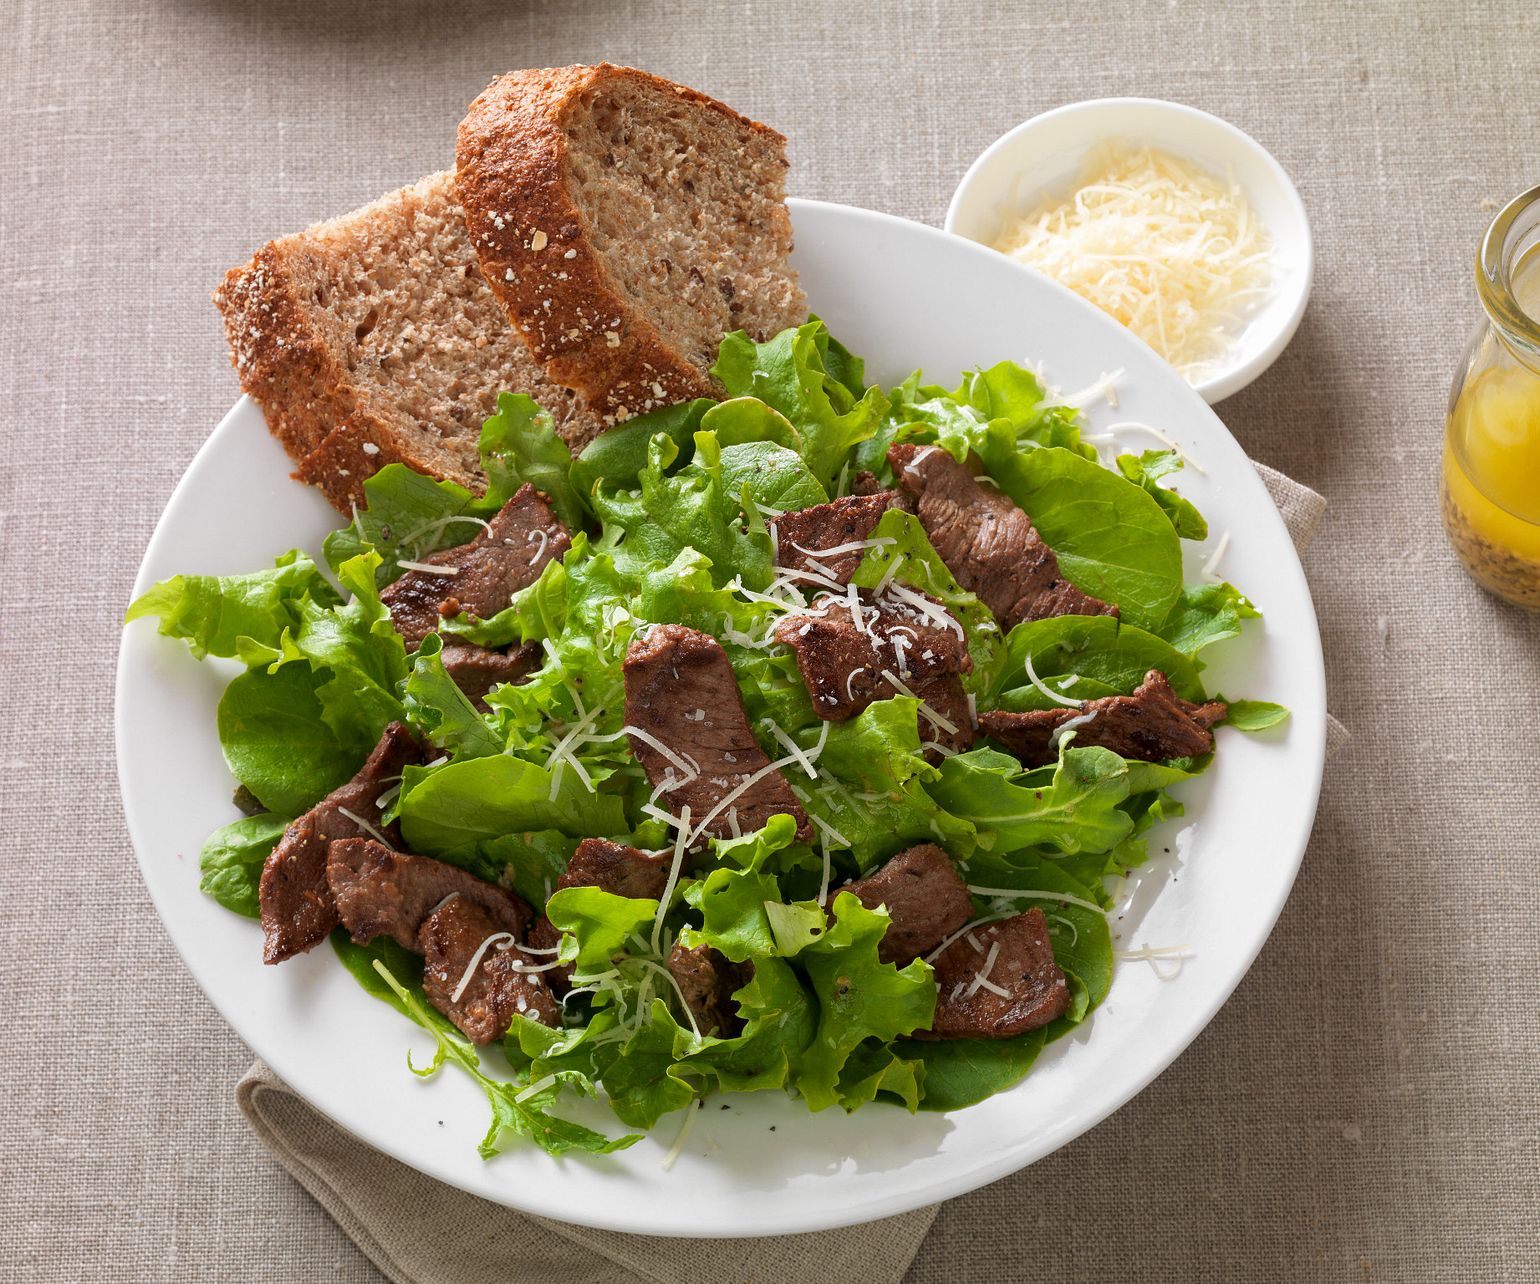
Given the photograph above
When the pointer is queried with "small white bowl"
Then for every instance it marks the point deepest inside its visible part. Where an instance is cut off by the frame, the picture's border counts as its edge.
(1045, 155)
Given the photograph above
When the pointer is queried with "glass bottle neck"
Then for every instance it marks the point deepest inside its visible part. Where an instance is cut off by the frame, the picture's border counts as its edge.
(1508, 277)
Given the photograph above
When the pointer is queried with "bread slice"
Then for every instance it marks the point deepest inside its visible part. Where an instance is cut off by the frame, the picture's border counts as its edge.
(627, 223)
(373, 338)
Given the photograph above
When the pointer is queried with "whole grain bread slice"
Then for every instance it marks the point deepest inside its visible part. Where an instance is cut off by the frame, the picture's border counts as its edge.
(627, 223)
(374, 338)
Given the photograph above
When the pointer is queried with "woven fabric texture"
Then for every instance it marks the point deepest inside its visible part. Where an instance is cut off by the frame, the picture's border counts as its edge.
(1366, 1107)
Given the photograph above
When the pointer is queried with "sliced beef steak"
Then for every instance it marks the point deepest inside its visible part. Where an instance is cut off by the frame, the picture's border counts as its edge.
(708, 982)
(988, 543)
(611, 867)
(380, 892)
(476, 670)
(481, 576)
(826, 539)
(926, 900)
(296, 903)
(1013, 955)
(1152, 725)
(500, 988)
(680, 689)
(615, 868)
(851, 656)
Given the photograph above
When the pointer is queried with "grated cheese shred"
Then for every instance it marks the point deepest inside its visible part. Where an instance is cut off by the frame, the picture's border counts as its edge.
(1172, 252)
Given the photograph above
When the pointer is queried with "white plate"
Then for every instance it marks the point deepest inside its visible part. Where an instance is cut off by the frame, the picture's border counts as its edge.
(902, 295)
(1046, 154)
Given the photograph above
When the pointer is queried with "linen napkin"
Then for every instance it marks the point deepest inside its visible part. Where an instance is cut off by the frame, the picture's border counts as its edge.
(420, 1231)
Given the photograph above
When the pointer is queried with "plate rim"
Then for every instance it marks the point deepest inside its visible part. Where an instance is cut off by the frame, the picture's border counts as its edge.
(859, 1207)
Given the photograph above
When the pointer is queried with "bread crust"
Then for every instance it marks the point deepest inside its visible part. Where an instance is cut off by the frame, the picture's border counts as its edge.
(529, 234)
(282, 365)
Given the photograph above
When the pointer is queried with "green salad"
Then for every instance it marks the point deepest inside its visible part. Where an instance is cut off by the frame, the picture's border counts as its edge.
(670, 518)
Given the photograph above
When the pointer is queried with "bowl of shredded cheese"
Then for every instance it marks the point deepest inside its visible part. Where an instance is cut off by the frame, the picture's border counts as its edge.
(1174, 222)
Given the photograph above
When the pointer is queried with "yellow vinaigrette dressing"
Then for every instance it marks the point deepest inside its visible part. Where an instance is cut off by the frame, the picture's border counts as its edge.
(1491, 487)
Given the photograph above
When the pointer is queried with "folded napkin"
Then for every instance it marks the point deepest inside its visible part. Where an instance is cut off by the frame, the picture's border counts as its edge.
(420, 1231)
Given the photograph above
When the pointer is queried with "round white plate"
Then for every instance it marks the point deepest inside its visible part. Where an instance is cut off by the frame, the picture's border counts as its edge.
(902, 295)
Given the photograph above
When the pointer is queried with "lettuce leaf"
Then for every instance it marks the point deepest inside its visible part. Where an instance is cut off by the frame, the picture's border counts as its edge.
(1205, 614)
(859, 998)
(1104, 655)
(1073, 805)
(440, 710)
(515, 1110)
(213, 613)
(464, 804)
(1145, 471)
(232, 858)
(519, 444)
(806, 376)
(1112, 539)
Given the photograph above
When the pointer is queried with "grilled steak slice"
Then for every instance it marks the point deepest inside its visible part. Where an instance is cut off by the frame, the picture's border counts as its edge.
(865, 483)
(611, 867)
(708, 982)
(476, 670)
(680, 689)
(380, 892)
(498, 990)
(850, 658)
(616, 868)
(926, 900)
(843, 653)
(479, 577)
(801, 534)
(988, 543)
(1035, 990)
(1152, 725)
(297, 906)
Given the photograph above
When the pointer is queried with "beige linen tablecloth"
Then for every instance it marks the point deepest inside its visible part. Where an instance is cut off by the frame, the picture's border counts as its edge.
(1368, 1104)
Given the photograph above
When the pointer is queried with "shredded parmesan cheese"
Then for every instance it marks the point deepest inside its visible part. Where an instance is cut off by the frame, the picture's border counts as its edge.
(1175, 254)
(427, 568)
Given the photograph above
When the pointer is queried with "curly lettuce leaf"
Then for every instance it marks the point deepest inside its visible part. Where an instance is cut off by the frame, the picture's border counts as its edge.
(380, 967)
(806, 376)
(859, 998)
(214, 613)
(1205, 614)
(879, 800)
(1072, 806)
(668, 512)
(518, 444)
(436, 706)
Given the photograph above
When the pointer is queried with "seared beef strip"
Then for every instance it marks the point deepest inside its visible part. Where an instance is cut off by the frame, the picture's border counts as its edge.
(865, 483)
(611, 867)
(506, 556)
(926, 899)
(1152, 725)
(476, 670)
(380, 892)
(708, 982)
(497, 991)
(799, 535)
(843, 662)
(297, 907)
(988, 543)
(1035, 990)
(680, 689)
